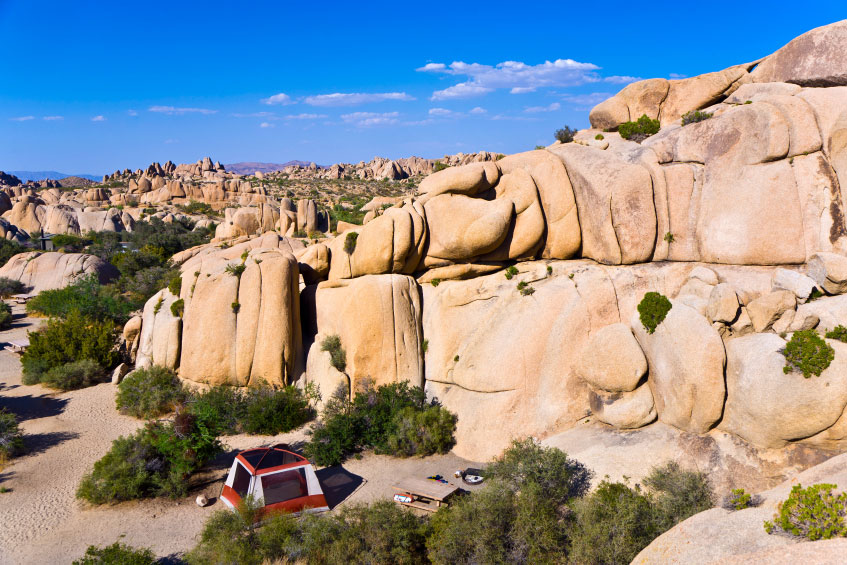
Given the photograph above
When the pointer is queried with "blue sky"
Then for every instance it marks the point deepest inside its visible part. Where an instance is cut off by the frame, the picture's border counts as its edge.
(88, 87)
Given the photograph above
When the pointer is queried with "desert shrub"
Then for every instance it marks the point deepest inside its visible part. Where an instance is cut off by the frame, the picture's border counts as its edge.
(350, 242)
(155, 461)
(8, 287)
(511, 271)
(144, 283)
(527, 461)
(86, 296)
(813, 512)
(421, 432)
(808, 353)
(69, 243)
(640, 129)
(236, 269)
(300, 233)
(8, 249)
(220, 407)
(195, 207)
(435, 282)
(652, 310)
(678, 494)
(338, 357)
(370, 420)
(271, 411)
(738, 499)
(175, 285)
(599, 136)
(439, 166)
(116, 554)
(565, 134)
(74, 375)
(839, 332)
(64, 341)
(669, 237)
(11, 436)
(6, 318)
(150, 393)
(527, 290)
(178, 308)
(611, 525)
(695, 116)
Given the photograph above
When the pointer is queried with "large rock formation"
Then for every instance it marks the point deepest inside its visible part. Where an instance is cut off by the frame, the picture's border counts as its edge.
(48, 271)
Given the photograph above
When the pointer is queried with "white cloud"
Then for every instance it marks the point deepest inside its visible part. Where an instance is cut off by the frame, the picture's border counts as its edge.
(170, 141)
(306, 116)
(443, 112)
(536, 109)
(98, 119)
(518, 77)
(355, 98)
(266, 125)
(587, 99)
(621, 79)
(366, 119)
(280, 99)
(677, 76)
(22, 118)
(478, 110)
(52, 118)
(254, 115)
(132, 113)
(173, 111)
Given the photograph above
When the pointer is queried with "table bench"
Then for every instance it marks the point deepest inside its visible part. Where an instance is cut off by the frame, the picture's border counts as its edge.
(430, 494)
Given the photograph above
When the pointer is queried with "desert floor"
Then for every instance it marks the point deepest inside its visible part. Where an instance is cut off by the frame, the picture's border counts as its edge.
(41, 521)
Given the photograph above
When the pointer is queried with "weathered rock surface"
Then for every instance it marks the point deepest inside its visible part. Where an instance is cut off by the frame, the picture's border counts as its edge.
(47, 271)
(161, 333)
(815, 58)
(624, 410)
(612, 360)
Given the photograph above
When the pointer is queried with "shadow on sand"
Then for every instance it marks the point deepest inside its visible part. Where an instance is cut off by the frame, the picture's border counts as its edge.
(338, 483)
(31, 407)
(39, 443)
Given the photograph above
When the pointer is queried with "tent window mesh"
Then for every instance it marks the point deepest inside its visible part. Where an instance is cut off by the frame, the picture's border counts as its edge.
(241, 482)
(283, 486)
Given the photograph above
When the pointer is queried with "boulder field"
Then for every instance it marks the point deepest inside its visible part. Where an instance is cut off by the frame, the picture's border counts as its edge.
(509, 289)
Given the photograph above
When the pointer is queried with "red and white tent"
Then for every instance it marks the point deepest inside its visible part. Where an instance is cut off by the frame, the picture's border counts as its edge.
(278, 479)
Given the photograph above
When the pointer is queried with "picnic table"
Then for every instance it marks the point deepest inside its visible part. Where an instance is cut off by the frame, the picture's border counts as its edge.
(18, 346)
(22, 298)
(426, 494)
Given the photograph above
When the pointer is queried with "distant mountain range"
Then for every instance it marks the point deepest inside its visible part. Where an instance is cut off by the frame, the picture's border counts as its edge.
(250, 167)
(54, 175)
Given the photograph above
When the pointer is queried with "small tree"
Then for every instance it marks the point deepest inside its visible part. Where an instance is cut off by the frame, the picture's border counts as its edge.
(652, 310)
(565, 134)
(808, 353)
(338, 356)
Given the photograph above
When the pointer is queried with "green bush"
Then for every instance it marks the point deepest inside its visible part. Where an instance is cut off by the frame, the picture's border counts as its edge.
(6, 317)
(738, 499)
(70, 243)
(219, 407)
(813, 513)
(565, 134)
(175, 285)
(694, 116)
(74, 375)
(338, 357)
(8, 287)
(511, 271)
(195, 207)
(640, 129)
(86, 296)
(599, 136)
(236, 269)
(155, 461)
(422, 432)
(652, 310)
(678, 494)
(150, 393)
(178, 308)
(839, 332)
(116, 554)
(11, 437)
(669, 237)
(439, 166)
(611, 525)
(64, 341)
(527, 461)
(350, 242)
(270, 411)
(8, 249)
(808, 353)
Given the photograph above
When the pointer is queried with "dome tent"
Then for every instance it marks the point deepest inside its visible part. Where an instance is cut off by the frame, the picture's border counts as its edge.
(275, 477)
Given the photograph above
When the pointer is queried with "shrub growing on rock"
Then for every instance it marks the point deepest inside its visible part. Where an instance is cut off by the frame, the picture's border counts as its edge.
(808, 353)
(839, 332)
(739, 499)
(338, 357)
(565, 134)
(511, 271)
(694, 116)
(178, 308)
(155, 461)
(150, 393)
(640, 129)
(11, 437)
(64, 341)
(175, 285)
(350, 242)
(8, 287)
(813, 513)
(74, 375)
(117, 553)
(652, 310)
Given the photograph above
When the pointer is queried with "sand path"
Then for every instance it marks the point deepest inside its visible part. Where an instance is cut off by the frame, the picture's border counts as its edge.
(41, 521)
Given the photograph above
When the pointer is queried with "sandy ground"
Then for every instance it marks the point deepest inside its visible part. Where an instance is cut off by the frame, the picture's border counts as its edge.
(41, 521)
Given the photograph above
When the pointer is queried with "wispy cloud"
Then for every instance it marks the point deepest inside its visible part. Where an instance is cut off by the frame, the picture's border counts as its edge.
(478, 111)
(131, 112)
(367, 119)
(306, 116)
(281, 99)
(98, 119)
(174, 111)
(587, 99)
(518, 77)
(171, 141)
(22, 118)
(266, 125)
(444, 113)
(355, 98)
(254, 115)
(52, 118)
(621, 79)
(677, 76)
(536, 109)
